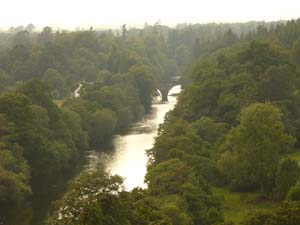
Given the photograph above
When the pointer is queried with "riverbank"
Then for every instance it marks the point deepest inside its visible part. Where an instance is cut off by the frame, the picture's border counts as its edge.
(123, 155)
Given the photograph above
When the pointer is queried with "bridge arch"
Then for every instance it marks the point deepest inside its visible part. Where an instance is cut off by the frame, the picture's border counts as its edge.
(165, 87)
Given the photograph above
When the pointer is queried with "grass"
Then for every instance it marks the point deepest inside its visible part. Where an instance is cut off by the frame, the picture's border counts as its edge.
(237, 205)
(58, 102)
(295, 156)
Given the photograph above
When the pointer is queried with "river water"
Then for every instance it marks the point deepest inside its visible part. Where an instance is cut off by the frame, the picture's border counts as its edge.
(126, 155)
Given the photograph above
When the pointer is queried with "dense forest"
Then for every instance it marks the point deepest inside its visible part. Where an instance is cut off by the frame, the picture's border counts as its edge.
(234, 131)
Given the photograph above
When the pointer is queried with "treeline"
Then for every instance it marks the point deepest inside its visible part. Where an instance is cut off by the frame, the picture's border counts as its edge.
(63, 58)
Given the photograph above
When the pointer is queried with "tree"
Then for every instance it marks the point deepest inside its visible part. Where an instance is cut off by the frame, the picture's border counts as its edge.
(102, 124)
(6, 81)
(16, 107)
(296, 52)
(113, 61)
(56, 82)
(124, 31)
(185, 198)
(39, 93)
(46, 35)
(39, 130)
(277, 83)
(168, 177)
(145, 84)
(258, 141)
(287, 175)
(94, 198)
(287, 214)
(260, 55)
(182, 55)
(259, 218)
(14, 171)
(22, 38)
(294, 193)
(14, 179)
(78, 105)
(30, 28)
(73, 122)
(176, 215)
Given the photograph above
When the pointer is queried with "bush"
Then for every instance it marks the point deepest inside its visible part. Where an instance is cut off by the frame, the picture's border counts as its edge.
(294, 193)
(286, 177)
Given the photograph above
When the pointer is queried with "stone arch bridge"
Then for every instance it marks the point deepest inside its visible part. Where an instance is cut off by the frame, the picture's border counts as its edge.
(165, 86)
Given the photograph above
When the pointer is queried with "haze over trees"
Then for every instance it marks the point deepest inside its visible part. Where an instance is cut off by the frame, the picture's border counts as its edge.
(235, 128)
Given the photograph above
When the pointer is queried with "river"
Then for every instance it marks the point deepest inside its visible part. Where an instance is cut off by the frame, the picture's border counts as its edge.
(126, 155)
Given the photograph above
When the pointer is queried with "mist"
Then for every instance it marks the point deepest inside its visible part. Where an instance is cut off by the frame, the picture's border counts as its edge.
(111, 14)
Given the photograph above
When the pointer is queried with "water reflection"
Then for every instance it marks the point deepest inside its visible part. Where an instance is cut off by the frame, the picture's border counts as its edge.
(126, 155)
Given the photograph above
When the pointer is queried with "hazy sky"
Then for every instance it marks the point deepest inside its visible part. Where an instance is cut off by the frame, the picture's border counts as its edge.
(72, 13)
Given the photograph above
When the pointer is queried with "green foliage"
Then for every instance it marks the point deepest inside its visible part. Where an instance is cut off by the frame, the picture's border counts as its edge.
(295, 52)
(56, 82)
(62, 59)
(287, 175)
(5, 81)
(102, 126)
(145, 85)
(14, 177)
(173, 179)
(53, 139)
(16, 107)
(73, 121)
(294, 193)
(287, 214)
(168, 177)
(237, 205)
(147, 209)
(46, 137)
(94, 198)
(277, 83)
(256, 144)
(14, 171)
(209, 130)
(235, 121)
(217, 134)
(176, 215)
(260, 218)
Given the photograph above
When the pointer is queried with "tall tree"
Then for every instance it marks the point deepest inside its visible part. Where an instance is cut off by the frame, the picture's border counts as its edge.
(258, 142)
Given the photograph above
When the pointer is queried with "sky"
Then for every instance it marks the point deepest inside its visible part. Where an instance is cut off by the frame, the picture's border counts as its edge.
(84, 13)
